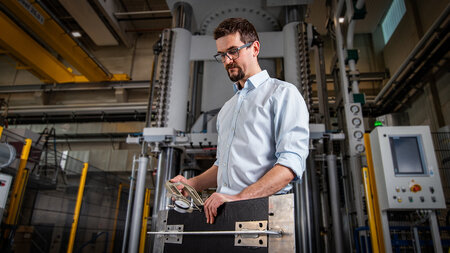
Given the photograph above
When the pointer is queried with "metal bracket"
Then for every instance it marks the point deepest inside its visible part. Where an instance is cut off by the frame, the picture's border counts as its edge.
(174, 238)
(254, 240)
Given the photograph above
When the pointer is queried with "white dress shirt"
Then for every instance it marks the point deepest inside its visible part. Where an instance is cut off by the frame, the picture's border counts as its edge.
(263, 124)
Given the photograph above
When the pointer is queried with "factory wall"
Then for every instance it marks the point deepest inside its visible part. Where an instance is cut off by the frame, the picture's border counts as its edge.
(418, 18)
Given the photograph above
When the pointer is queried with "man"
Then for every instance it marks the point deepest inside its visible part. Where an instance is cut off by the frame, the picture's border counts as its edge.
(262, 130)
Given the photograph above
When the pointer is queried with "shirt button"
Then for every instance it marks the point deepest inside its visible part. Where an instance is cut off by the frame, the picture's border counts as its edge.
(225, 184)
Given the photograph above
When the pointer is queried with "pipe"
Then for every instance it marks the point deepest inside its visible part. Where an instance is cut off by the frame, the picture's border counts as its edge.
(340, 51)
(182, 15)
(137, 13)
(130, 200)
(138, 204)
(335, 203)
(411, 56)
(350, 36)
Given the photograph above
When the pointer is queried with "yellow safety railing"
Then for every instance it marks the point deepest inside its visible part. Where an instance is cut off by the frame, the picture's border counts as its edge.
(19, 186)
(115, 218)
(145, 216)
(370, 211)
(76, 214)
(377, 232)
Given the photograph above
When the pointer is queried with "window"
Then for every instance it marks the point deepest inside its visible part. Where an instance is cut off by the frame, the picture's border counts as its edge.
(392, 19)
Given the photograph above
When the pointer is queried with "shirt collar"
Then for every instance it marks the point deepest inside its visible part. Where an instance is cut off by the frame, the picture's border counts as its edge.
(254, 81)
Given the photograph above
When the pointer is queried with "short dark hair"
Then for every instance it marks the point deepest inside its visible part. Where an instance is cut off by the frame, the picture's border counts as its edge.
(232, 25)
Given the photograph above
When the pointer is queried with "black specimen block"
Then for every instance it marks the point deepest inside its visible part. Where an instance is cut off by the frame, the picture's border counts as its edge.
(228, 215)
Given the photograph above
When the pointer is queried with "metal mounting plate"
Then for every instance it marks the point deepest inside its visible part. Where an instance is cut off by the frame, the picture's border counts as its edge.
(253, 240)
(177, 239)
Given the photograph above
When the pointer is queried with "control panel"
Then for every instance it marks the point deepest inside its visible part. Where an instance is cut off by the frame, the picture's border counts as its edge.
(406, 171)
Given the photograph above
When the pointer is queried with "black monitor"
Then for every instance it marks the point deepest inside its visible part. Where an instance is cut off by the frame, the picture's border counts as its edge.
(407, 155)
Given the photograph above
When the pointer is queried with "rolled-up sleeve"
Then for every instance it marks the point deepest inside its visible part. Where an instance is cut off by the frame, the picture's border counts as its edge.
(291, 125)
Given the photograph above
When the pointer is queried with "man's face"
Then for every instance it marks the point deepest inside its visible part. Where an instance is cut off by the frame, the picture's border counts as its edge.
(236, 69)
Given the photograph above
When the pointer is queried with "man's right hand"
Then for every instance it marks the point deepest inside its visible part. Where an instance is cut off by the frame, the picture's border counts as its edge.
(180, 187)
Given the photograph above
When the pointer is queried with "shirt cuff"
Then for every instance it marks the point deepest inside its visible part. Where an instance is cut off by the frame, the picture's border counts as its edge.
(216, 162)
(292, 161)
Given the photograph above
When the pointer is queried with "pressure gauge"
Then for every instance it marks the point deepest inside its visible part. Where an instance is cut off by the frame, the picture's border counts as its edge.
(356, 121)
(354, 109)
(360, 148)
(358, 134)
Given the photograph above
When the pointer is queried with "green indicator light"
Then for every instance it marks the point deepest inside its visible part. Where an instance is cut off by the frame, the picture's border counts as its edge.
(378, 123)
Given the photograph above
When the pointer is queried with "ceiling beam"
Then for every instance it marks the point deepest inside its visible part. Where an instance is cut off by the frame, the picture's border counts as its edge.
(38, 20)
(30, 53)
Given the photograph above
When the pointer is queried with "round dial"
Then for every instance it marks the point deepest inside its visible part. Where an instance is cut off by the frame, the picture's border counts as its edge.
(358, 134)
(354, 109)
(356, 121)
(360, 148)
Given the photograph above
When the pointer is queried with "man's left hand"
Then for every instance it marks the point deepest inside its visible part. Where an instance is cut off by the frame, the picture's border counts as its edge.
(213, 202)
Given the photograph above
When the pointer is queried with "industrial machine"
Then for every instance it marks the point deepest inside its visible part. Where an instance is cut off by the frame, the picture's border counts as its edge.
(407, 176)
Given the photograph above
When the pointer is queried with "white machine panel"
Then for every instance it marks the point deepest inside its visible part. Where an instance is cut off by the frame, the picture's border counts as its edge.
(406, 170)
(5, 184)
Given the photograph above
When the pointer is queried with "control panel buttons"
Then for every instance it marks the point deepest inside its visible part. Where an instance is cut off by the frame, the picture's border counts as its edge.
(431, 189)
(416, 188)
(403, 189)
(397, 189)
(410, 199)
(399, 200)
(422, 199)
(433, 198)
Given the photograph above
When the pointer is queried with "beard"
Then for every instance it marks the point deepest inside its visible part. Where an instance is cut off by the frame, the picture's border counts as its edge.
(235, 77)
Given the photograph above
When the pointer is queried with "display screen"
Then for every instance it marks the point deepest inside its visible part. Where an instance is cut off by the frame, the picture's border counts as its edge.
(407, 155)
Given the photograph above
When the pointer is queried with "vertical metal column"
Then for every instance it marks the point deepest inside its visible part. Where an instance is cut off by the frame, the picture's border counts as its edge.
(335, 205)
(301, 244)
(322, 85)
(76, 214)
(314, 203)
(145, 218)
(168, 167)
(130, 200)
(138, 203)
(437, 245)
(386, 232)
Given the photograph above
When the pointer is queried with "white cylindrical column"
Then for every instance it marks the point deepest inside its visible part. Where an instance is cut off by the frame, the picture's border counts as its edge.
(179, 79)
(290, 53)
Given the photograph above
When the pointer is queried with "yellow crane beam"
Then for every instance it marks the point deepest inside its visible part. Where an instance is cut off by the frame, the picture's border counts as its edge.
(30, 53)
(38, 20)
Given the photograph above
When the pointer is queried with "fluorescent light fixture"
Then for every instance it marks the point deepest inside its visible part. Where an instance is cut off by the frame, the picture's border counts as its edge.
(76, 34)
(341, 20)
